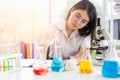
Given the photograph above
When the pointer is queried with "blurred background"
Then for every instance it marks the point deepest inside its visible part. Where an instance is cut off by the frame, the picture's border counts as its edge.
(27, 20)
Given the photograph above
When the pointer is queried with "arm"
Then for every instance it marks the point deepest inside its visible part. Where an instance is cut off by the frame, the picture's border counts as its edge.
(48, 38)
(45, 45)
(82, 54)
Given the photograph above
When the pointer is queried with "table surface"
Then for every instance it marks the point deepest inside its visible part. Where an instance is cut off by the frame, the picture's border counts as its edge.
(27, 73)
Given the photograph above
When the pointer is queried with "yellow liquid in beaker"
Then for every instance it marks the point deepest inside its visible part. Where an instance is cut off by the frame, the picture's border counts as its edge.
(86, 67)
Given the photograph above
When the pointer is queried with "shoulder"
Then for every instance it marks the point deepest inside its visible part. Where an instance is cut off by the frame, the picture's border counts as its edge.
(88, 37)
(86, 41)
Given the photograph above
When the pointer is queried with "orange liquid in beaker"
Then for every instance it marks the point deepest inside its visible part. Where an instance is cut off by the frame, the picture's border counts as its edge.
(86, 67)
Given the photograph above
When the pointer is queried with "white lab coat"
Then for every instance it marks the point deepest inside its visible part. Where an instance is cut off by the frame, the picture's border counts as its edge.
(69, 46)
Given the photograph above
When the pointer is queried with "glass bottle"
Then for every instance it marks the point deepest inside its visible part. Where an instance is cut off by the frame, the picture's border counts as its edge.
(40, 66)
(57, 63)
(111, 66)
(85, 66)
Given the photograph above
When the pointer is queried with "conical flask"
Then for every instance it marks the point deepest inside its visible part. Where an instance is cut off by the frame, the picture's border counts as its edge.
(40, 66)
(85, 66)
(111, 67)
(57, 63)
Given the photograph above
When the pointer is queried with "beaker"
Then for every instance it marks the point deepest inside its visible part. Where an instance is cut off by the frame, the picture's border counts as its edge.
(57, 63)
(111, 67)
(40, 65)
(85, 66)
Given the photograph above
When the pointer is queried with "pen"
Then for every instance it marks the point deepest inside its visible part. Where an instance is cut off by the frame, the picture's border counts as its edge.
(30, 66)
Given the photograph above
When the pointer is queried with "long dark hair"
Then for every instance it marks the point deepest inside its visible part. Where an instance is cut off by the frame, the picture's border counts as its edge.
(91, 10)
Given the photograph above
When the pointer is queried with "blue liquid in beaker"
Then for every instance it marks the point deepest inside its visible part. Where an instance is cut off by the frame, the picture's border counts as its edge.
(110, 69)
(57, 65)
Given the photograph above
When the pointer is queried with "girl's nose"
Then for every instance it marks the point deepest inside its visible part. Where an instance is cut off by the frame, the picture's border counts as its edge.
(78, 22)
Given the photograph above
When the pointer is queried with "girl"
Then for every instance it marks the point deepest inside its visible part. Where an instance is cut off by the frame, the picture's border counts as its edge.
(74, 33)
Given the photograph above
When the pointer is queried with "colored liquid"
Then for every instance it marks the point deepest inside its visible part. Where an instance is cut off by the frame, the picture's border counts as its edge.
(10, 64)
(40, 71)
(14, 63)
(0, 67)
(86, 67)
(57, 65)
(6, 65)
(110, 69)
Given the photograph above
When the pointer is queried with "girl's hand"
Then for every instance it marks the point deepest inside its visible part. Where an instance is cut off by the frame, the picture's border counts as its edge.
(71, 65)
(50, 36)
(82, 54)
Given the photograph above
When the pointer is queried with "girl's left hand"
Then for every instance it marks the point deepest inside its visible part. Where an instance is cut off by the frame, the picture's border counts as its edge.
(70, 65)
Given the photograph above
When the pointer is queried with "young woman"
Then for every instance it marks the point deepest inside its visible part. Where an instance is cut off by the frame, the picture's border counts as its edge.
(74, 33)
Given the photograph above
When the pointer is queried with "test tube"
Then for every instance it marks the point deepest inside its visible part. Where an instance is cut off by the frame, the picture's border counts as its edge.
(1, 66)
(6, 64)
(14, 63)
(10, 64)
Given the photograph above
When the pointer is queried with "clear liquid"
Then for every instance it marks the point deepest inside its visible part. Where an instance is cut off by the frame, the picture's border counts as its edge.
(57, 65)
(110, 69)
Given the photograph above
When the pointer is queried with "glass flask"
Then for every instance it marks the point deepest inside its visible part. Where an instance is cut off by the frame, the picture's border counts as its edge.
(111, 67)
(85, 66)
(57, 62)
(40, 65)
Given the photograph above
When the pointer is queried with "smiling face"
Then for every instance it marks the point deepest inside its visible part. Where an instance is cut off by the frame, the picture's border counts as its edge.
(77, 19)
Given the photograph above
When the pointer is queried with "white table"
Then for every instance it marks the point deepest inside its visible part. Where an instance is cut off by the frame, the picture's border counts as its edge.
(26, 73)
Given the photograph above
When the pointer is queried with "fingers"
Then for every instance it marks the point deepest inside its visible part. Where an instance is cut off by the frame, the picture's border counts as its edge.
(83, 53)
(51, 35)
(70, 65)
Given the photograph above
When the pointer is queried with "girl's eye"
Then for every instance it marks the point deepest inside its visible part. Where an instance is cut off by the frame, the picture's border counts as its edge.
(84, 22)
(77, 16)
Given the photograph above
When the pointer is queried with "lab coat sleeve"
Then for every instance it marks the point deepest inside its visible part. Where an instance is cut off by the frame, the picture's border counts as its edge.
(86, 42)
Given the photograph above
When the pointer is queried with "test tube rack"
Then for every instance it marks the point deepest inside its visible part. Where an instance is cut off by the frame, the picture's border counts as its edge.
(9, 62)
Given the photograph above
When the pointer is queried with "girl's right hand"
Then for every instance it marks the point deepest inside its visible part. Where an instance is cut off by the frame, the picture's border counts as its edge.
(50, 36)
(82, 54)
